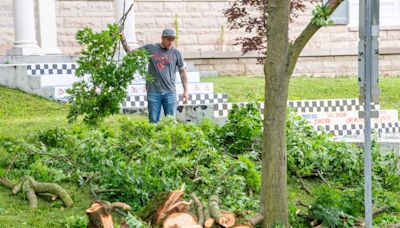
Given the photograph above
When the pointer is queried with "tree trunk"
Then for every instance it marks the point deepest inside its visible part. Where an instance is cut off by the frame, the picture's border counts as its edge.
(281, 58)
(274, 163)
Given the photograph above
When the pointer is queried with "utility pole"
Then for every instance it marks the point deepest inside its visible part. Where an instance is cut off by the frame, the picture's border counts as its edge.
(369, 90)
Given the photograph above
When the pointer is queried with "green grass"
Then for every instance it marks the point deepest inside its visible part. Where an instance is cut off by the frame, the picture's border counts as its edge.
(303, 88)
(15, 211)
(22, 113)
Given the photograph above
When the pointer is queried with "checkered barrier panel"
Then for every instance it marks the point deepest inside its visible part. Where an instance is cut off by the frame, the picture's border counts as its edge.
(194, 99)
(358, 129)
(328, 105)
(204, 98)
(384, 127)
(51, 68)
(221, 110)
(307, 106)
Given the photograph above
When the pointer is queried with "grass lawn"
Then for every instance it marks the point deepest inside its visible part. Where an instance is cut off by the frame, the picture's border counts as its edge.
(22, 115)
(302, 88)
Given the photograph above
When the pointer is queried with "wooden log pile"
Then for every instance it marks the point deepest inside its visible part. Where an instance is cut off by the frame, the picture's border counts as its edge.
(169, 210)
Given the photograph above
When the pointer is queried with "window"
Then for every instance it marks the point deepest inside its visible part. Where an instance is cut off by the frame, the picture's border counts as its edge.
(388, 12)
(347, 13)
(341, 14)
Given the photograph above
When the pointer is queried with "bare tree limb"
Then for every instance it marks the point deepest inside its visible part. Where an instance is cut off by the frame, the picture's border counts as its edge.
(10, 165)
(303, 186)
(323, 179)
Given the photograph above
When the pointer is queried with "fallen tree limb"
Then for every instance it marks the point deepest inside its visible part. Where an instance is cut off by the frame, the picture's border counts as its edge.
(200, 209)
(208, 220)
(299, 203)
(99, 191)
(224, 218)
(380, 210)
(323, 179)
(302, 183)
(31, 187)
(10, 165)
(6, 183)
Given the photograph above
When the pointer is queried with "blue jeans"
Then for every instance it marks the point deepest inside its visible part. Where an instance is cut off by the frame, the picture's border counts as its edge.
(156, 99)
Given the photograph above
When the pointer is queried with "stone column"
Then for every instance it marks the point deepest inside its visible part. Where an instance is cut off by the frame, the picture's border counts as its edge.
(129, 28)
(47, 27)
(24, 29)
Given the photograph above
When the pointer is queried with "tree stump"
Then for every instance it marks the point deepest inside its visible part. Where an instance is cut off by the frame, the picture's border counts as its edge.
(99, 213)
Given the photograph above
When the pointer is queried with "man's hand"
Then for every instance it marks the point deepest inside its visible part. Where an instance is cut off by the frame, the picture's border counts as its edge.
(185, 97)
(184, 80)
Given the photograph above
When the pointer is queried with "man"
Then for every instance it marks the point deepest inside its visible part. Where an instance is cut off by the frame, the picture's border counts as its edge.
(165, 61)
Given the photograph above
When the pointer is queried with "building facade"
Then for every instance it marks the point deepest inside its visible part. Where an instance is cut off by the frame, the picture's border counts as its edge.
(203, 36)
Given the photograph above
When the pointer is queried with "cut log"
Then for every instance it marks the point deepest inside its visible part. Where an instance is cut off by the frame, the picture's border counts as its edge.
(99, 213)
(99, 217)
(229, 219)
(209, 222)
(180, 219)
(224, 218)
(160, 207)
(243, 226)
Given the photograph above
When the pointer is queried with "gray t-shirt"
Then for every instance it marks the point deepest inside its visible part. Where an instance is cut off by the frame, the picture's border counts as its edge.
(163, 67)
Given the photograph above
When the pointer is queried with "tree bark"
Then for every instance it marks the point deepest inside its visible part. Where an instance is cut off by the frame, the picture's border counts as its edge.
(32, 187)
(274, 168)
(200, 208)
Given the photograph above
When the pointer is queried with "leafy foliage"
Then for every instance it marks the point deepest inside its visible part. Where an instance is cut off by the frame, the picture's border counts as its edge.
(143, 159)
(321, 16)
(243, 130)
(335, 208)
(309, 152)
(104, 78)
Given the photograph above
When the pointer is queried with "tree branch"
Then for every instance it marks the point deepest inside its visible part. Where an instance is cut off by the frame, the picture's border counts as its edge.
(10, 165)
(297, 47)
(303, 186)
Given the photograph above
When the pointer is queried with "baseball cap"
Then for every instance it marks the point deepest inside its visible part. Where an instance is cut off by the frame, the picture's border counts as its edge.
(168, 32)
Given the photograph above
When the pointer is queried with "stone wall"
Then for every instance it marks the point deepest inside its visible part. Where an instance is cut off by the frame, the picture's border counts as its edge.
(204, 38)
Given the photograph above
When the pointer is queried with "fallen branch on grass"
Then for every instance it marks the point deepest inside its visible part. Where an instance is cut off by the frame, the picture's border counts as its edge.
(32, 188)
